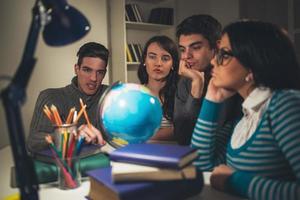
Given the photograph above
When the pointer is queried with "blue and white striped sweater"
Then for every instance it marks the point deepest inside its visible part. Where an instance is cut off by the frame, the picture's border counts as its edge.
(267, 166)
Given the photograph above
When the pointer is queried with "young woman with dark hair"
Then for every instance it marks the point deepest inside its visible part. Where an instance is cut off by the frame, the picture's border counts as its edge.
(257, 157)
(158, 71)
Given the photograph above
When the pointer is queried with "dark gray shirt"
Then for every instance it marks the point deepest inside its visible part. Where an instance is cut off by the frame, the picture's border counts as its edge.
(64, 99)
(186, 110)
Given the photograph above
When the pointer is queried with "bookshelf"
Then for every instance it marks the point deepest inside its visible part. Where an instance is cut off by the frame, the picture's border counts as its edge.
(123, 32)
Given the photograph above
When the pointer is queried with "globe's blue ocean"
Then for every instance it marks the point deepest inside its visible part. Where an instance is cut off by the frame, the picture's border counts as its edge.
(130, 114)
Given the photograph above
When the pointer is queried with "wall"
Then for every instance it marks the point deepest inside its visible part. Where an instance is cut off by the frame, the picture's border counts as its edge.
(225, 11)
(275, 11)
(54, 67)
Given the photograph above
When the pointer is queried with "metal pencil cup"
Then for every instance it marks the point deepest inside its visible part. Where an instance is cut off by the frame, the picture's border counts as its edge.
(69, 176)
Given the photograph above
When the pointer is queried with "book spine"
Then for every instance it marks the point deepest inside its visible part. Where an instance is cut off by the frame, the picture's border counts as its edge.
(136, 49)
(131, 52)
(130, 13)
(128, 55)
(136, 8)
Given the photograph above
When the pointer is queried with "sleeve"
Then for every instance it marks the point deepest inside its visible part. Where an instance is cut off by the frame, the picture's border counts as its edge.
(186, 110)
(284, 121)
(208, 138)
(40, 125)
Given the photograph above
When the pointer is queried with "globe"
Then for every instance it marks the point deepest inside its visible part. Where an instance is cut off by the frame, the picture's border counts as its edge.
(129, 113)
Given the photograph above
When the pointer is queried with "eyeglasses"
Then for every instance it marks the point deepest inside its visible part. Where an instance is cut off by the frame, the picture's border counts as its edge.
(223, 57)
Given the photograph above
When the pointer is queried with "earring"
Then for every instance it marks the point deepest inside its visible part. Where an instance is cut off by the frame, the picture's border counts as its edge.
(144, 65)
(247, 78)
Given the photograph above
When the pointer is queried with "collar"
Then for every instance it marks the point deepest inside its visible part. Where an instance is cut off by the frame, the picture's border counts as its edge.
(256, 100)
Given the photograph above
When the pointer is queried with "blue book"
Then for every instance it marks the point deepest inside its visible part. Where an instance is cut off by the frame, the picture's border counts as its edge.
(102, 187)
(158, 155)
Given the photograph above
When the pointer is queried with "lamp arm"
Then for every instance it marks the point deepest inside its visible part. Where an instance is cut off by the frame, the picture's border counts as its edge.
(26, 66)
(13, 97)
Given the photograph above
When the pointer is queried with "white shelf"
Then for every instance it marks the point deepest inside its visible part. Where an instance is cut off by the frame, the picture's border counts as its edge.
(132, 63)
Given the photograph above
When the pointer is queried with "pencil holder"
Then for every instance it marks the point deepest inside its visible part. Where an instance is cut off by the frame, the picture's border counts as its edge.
(67, 162)
(63, 135)
(69, 176)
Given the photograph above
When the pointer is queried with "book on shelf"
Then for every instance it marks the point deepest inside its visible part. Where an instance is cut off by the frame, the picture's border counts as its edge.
(135, 53)
(126, 16)
(128, 54)
(161, 16)
(129, 13)
(132, 53)
(126, 172)
(136, 49)
(140, 50)
(136, 9)
(133, 13)
(157, 155)
(103, 187)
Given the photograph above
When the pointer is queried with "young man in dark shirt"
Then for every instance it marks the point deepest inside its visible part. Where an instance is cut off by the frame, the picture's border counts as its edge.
(90, 71)
(197, 40)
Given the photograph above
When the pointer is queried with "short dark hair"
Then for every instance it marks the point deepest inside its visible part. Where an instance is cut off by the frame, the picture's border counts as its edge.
(167, 93)
(206, 25)
(92, 49)
(267, 51)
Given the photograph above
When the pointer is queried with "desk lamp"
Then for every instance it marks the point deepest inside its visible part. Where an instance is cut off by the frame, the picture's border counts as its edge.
(61, 24)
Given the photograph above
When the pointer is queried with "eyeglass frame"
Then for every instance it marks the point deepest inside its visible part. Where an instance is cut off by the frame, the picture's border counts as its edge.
(220, 55)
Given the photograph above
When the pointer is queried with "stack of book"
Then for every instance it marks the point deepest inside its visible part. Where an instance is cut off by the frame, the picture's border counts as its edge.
(147, 171)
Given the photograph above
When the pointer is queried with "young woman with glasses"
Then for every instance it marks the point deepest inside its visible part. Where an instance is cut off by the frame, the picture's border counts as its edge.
(257, 157)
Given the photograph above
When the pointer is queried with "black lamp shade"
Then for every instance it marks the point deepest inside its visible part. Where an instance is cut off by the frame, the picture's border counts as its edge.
(67, 25)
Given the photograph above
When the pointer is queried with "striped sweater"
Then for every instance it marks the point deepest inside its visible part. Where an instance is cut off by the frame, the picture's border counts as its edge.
(267, 166)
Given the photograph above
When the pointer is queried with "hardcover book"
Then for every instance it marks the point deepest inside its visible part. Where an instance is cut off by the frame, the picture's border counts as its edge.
(157, 155)
(130, 13)
(126, 172)
(102, 187)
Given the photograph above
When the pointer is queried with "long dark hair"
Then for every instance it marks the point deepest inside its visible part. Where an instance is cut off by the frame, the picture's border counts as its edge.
(267, 51)
(167, 93)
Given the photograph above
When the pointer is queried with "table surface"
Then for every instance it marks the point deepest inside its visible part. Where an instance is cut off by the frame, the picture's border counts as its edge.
(48, 192)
